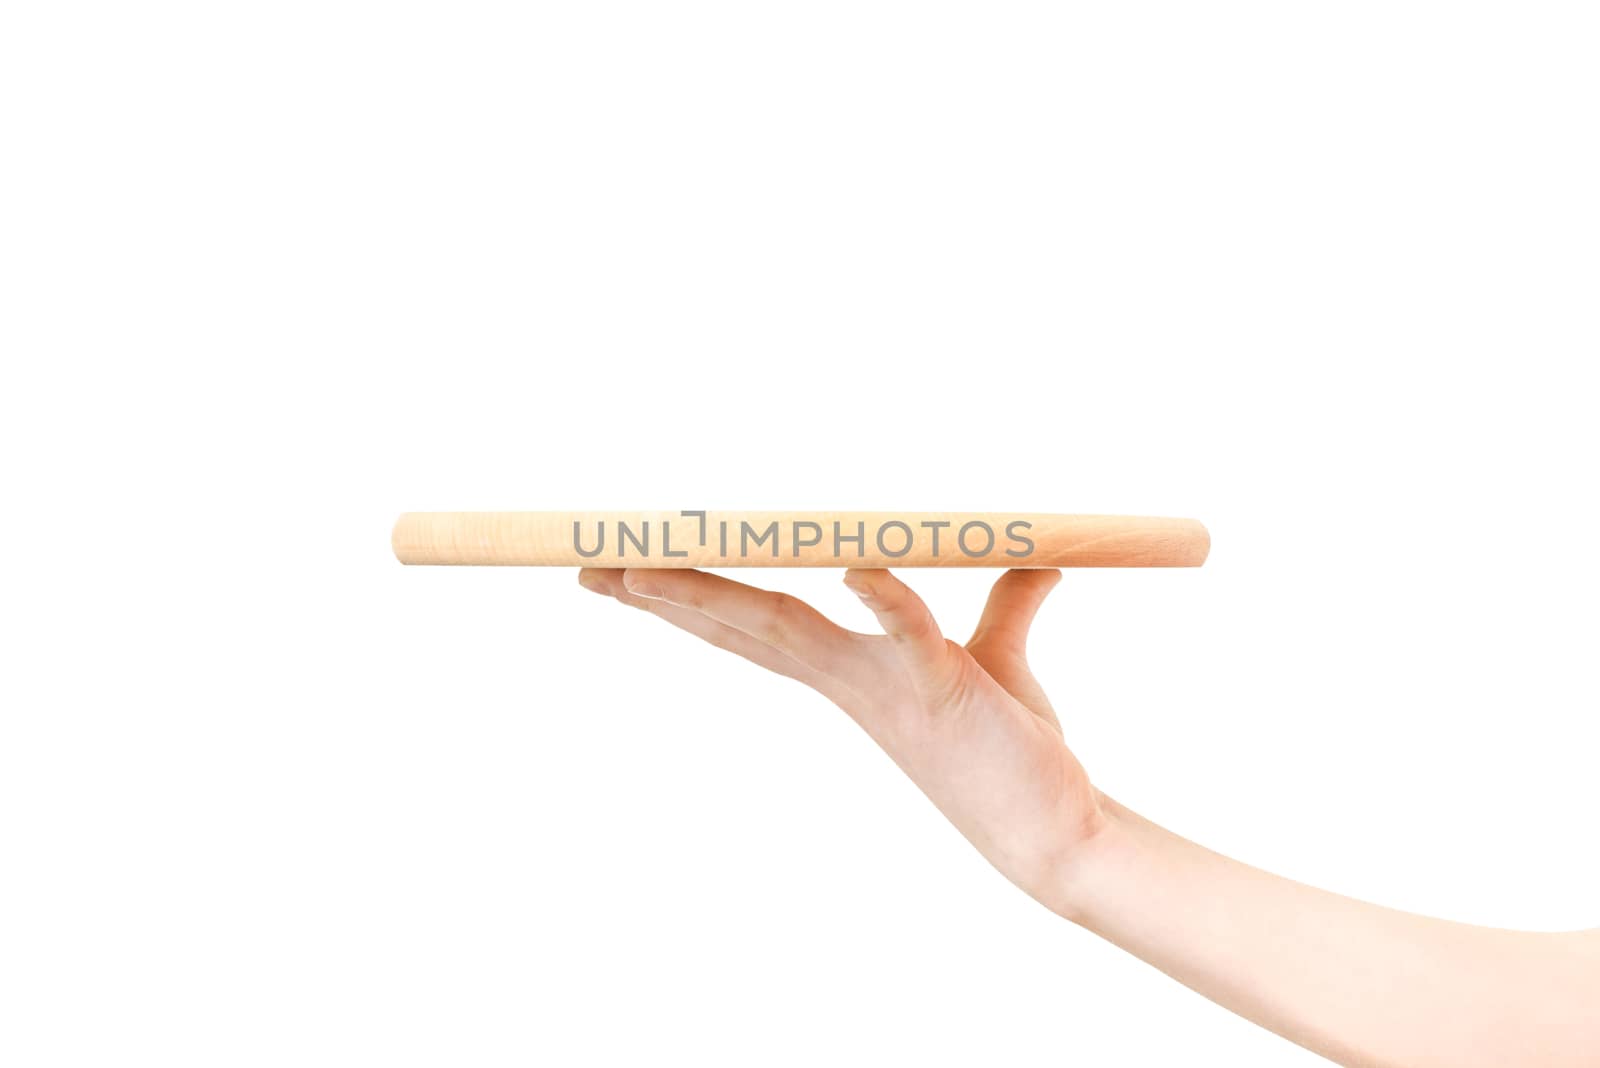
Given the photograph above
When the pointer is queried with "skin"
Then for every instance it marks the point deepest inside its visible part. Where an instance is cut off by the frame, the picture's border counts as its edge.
(1360, 984)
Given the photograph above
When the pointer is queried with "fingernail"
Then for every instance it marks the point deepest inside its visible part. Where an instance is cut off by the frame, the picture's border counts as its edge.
(590, 583)
(642, 587)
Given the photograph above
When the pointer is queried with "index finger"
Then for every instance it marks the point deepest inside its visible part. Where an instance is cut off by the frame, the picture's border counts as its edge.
(783, 622)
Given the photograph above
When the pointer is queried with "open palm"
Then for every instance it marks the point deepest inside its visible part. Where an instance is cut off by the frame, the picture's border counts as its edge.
(969, 724)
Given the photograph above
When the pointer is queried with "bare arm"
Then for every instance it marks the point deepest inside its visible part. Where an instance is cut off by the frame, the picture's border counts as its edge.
(1360, 984)
(970, 725)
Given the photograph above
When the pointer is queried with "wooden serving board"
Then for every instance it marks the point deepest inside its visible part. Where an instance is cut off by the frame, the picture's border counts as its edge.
(798, 539)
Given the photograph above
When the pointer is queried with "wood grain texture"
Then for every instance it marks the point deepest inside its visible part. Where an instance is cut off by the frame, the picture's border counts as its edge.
(797, 539)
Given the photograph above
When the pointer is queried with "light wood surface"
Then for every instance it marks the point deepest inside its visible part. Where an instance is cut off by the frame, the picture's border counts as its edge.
(797, 539)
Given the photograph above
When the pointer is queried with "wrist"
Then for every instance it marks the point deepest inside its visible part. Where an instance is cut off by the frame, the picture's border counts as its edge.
(1079, 876)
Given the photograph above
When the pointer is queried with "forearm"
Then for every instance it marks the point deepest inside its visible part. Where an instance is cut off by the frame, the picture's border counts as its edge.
(973, 728)
(1360, 984)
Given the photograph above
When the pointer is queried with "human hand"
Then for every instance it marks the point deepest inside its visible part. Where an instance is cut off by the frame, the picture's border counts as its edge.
(969, 724)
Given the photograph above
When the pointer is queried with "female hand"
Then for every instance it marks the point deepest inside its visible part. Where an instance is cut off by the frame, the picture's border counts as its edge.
(970, 724)
(1360, 984)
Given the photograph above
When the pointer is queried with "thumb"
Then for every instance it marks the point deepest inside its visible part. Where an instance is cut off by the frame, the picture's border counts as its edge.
(1013, 602)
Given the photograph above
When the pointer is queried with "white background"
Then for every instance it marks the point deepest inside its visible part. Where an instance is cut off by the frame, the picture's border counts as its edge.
(1322, 276)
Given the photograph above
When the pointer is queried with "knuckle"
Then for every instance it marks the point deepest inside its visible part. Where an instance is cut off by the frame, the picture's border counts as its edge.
(777, 619)
(950, 686)
(918, 628)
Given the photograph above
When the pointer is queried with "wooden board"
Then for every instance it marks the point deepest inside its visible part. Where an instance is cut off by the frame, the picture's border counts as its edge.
(797, 539)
